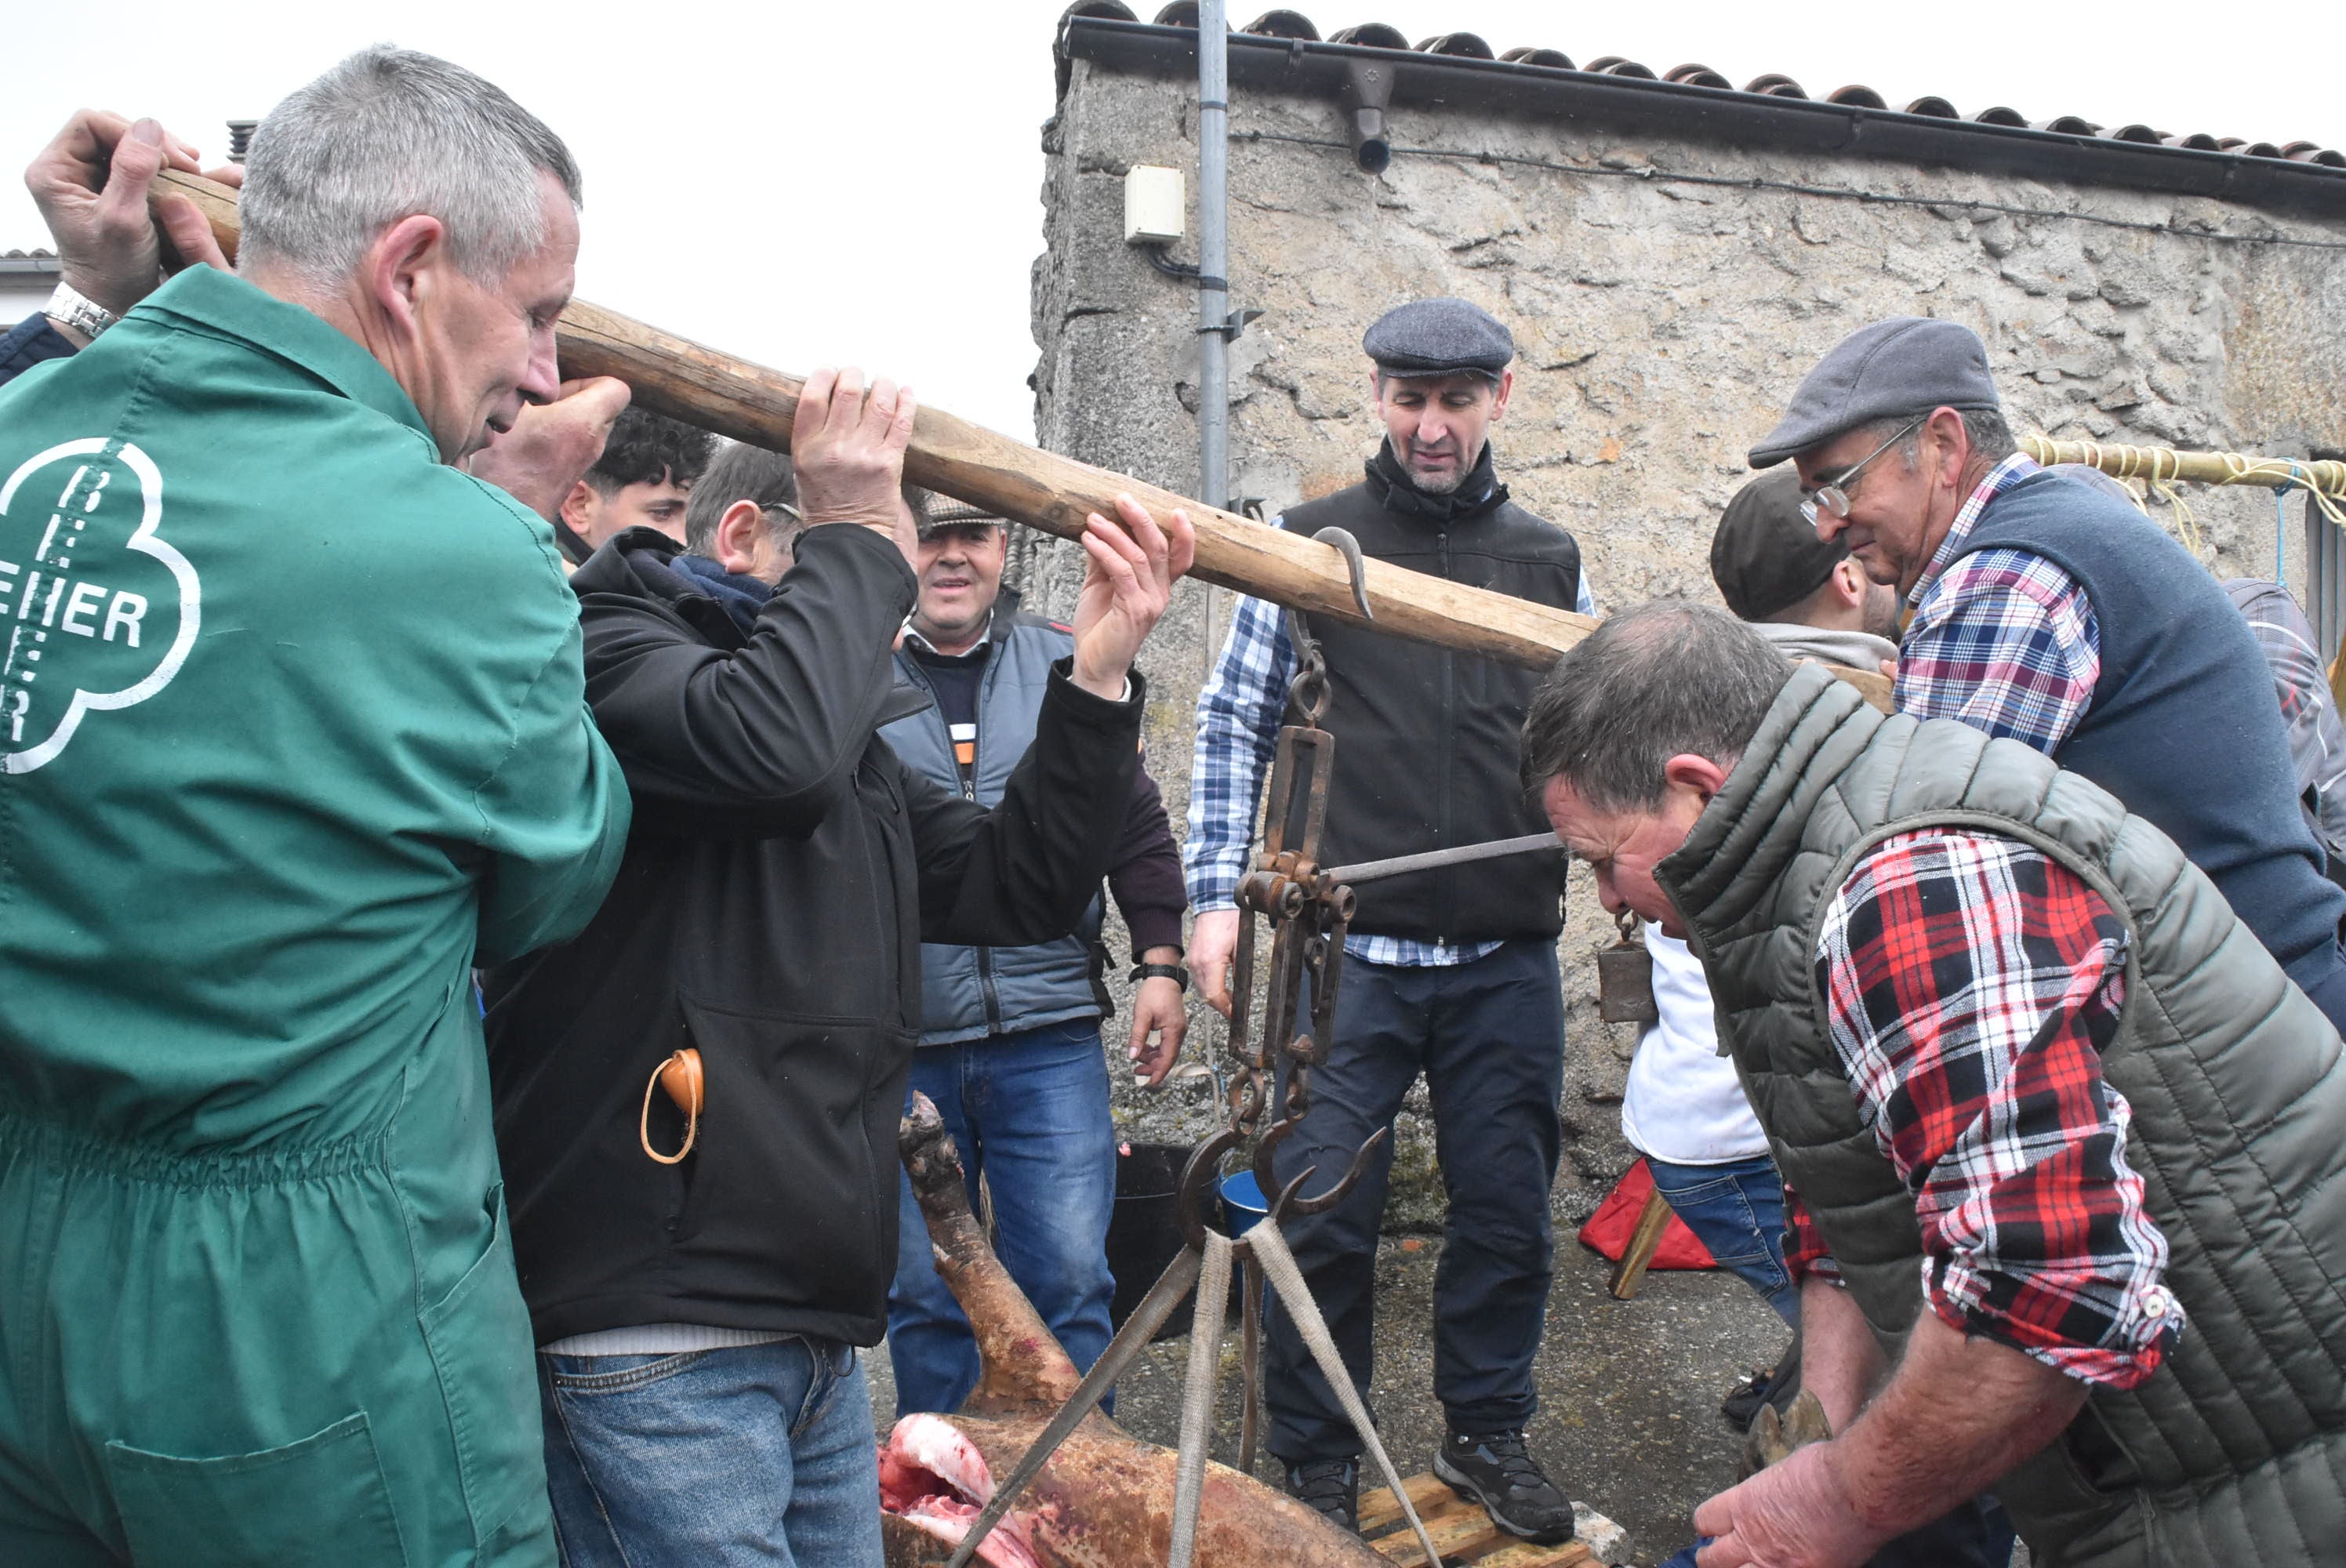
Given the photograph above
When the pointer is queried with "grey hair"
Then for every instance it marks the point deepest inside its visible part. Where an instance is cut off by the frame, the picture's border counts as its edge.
(1985, 428)
(385, 134)
(740, 473)
(1658, 680)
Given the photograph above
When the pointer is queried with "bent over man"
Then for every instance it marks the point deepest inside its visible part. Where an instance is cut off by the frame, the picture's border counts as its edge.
(700, 1283)
(1452, 973)
(2063, 1136)
(291, 719)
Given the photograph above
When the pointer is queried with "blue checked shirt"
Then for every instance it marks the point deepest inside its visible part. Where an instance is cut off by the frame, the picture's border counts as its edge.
(1238, 716)
(2002, 640)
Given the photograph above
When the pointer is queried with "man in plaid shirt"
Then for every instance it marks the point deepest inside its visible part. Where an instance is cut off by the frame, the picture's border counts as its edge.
(2044, 611)
(1948, 975)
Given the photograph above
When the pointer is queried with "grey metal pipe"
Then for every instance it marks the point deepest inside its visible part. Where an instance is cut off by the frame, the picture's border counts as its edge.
(1434, 860)
(1213, 255)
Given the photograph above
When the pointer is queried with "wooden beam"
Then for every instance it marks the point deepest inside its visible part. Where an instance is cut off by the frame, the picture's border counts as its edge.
(717, 391)
(683, 380)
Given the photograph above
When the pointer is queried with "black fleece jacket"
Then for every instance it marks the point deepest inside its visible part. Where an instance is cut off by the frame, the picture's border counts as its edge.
(783, 869)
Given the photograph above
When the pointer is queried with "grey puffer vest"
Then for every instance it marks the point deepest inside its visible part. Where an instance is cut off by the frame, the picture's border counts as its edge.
(2235, 1451)
(970, 992)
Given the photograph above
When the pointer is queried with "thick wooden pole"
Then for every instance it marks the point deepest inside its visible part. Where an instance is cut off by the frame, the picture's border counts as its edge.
(682, 379)
(732, 397)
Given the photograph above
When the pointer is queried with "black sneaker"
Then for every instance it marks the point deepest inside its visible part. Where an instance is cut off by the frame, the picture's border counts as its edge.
(1743, 1402)
(1495, 1471)
(1333, 1486)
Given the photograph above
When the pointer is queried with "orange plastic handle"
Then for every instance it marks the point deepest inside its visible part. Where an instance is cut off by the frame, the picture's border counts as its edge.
(681, 1076)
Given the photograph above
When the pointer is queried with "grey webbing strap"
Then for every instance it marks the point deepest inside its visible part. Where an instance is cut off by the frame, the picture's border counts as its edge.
(1268, 1249)
(1198, 1396)
(1249, 1369)
(1135, 1335)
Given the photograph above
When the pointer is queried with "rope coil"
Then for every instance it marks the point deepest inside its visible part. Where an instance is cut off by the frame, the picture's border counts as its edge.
(2161, 468)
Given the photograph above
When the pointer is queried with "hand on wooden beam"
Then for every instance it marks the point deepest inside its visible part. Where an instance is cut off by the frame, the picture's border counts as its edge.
(847, 447)
(1128, 582)
(93, 184)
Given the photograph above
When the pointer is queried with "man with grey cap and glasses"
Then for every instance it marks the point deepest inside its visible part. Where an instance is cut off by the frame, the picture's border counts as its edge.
(2048, 612)
(1452, 972)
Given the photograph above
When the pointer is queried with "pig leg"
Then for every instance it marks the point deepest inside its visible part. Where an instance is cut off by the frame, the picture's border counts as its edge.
(1024, 1366)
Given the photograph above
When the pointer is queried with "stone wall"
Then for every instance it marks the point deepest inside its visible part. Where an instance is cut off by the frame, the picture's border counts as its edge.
(1660, 325)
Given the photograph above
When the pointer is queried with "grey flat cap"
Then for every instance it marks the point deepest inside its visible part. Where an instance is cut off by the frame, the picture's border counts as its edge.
(1905, 365)
(1438, 338)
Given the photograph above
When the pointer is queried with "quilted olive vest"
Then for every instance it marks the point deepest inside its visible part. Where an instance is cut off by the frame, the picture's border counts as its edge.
(2235, 1451)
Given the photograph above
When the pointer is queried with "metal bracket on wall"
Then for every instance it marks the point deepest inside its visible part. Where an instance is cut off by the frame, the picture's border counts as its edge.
(1234, 324)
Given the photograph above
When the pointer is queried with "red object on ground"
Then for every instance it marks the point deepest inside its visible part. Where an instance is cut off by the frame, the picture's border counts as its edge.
(1609, 1228)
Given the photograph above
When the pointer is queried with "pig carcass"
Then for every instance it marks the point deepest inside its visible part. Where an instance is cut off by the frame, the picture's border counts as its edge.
(1106, 1498)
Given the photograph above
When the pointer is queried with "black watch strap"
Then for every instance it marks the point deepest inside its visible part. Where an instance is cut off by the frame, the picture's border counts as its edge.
(1172, 972)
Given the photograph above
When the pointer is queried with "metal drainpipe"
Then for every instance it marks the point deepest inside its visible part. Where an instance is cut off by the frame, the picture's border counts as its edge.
(1213, 256)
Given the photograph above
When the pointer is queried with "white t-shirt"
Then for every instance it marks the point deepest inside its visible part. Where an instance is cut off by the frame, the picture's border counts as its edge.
(1684, 1104)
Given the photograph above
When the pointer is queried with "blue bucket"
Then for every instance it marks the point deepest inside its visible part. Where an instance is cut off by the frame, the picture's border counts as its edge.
(1242, 1202)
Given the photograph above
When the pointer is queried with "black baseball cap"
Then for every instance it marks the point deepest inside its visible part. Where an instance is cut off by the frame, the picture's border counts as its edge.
(1766, 557)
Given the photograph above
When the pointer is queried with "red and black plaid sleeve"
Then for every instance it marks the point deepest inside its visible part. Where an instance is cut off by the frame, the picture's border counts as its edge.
(1972, 982)
(1805, 1252)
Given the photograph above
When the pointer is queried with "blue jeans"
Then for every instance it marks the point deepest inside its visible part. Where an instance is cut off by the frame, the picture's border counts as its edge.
(1029, 1112)
(761, 1454)
(1736, 1210)
(1489, 1038)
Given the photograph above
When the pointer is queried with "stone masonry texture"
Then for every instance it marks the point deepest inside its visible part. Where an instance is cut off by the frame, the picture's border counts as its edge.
(1660, 325)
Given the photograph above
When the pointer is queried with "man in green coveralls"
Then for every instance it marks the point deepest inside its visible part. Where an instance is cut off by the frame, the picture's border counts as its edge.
(291, 735)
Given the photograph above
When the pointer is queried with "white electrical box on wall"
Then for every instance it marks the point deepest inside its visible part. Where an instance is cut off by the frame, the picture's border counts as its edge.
(1153, 205)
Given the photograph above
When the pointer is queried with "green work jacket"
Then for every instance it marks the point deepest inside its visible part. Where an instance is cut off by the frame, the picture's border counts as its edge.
(291, 734)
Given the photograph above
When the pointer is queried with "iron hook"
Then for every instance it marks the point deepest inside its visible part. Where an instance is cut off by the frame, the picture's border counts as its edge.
(1289, 1199)
(1349, 548)
(1204, 1166)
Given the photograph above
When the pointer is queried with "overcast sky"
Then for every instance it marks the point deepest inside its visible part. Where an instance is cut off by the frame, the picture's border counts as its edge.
(802, 184)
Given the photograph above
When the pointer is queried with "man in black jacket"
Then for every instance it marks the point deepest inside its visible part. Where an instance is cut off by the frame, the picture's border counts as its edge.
(696, 1319)
(1451, 973)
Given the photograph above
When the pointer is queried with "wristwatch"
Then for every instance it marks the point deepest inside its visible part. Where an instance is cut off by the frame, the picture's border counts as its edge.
(1172, 972)
(69, 307)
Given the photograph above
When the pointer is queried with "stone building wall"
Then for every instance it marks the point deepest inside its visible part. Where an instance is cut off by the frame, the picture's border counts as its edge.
(1660, 325)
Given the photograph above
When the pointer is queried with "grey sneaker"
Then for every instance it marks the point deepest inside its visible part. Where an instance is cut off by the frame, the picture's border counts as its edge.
(1496, 1471)
(1333, 1486)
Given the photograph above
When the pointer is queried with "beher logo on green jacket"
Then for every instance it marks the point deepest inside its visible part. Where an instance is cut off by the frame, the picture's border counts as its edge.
(97, 612)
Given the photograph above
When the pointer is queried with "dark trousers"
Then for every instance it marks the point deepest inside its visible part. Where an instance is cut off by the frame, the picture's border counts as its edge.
(1489, 1037)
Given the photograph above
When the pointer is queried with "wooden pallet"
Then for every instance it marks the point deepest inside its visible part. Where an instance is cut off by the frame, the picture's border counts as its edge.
(1462, 1531)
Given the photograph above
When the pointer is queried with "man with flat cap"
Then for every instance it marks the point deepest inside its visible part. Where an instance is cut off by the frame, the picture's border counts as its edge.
(2048, 612)
(1452, 972)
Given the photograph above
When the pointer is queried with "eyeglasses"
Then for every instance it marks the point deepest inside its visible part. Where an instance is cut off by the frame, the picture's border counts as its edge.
(1832, 499)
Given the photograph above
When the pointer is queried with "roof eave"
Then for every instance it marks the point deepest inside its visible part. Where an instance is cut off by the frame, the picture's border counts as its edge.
(1682, 110)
